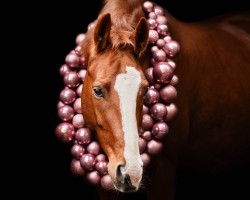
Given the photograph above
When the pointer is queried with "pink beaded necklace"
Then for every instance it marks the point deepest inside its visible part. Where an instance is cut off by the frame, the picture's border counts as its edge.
(158, 109)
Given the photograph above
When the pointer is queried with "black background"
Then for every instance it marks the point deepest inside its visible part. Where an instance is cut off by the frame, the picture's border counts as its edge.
(60, 25)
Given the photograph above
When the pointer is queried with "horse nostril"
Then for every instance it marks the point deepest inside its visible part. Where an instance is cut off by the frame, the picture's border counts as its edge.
(125, 180)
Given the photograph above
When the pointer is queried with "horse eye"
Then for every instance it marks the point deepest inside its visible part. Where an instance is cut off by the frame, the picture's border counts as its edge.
(98, 91)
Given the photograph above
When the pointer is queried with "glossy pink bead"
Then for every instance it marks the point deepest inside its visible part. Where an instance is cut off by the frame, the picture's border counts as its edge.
(72, 60)
(147, 122)
(160, 56)
(148, 6)
(172, 63)
(88, 161)
(168, 93)
(60, 104)
(82, 62)
(161, 20)
(106, 182)
(65, 132)
(154, 147)
(79, 38)
(149, 75)
(77, 151)
(159, 130)
(93, 178)
(64, 69)
(167, 38)
(147, 135)
(78, 121)
(77, 105)
(171, 48)
(71, 79)
(152, 23)
(82, 74)
(142, 144)
(67, 96)
(172, 112)
(152, 15)
(65, 113)
(83, 135)
(162, 72)
(160, 43)
(101, 157)
(158, 10)
(94, 148)
(162, 30)
(158, 111)
(76, 168)
(153, 36)
(145, 159)
(145, 109)
(152, 96)
(175, 80)
(102, 167)
(78, 51)
(79, 90)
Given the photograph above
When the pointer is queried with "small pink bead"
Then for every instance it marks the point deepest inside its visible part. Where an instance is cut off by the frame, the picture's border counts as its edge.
(145, 109)
(160, 43)
(152, 23)
(67, 96)
(167, 38)
(77, 151)
(71, 79)
(161, 20)
(172, 112)
(76, 168)
(174, 81)
(88, 161)
(60, 104)
(102, 167)
(162, 30)
(79, 38)
(107, 183)
(79, 90)
(78, 51)
(151, 97)
(149, 75)
(152, 15)
(148, 6)
(142, 144)
(154, 48)
(91, 25)
(101, 157)
(65, 113)
(82, 62)
(162, 72)
(147, 122)
(158, 111)
(77, 105)
(82, 74)
(93, 178)
(94, 148)
(168, 93)
(145, 159)
(158, 10)
(160, 129)
(64, 69)
(72, 60)
(147, 135)
(153, 36)
(83, 135)
(160, 56)
(154, 147)
(65, 132)
(78, 121)
(172, 63)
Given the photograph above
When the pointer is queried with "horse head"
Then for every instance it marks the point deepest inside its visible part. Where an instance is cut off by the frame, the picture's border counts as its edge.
(112, 96)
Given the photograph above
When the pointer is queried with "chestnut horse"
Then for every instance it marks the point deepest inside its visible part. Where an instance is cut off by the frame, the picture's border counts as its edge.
(210, 132)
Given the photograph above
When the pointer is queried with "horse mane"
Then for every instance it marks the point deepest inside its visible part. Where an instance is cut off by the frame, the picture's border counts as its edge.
(124, 16)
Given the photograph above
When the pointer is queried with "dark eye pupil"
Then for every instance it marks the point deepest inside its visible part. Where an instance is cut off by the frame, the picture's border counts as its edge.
(98, 91)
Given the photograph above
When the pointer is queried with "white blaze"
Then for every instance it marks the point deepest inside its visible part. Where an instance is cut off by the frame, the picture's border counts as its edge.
(127, 86)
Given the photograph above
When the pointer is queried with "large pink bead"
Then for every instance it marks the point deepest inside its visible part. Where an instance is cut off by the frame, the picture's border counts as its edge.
(153, 36)
(168, 93)
(72, 60)
(66, 113)
(152, 96)
(79, 38)
(88, 161)
(64, 69)
(77, 151)
(158, 111)
(154, 147)
(102, 167)
(83, 136)
(142, 144)
(76, 168)
(65, 132)
(77, 105)
(78, 121)
(172, 112)
(147, 135)
(148, 6)
(160, 56)
(145, 159)
(147, 122)
(171, 48)
(161, 20)
(149, 75)
(106, 182)
(71, 79)
(94, 148)
(162, 72)
(93, 178)
(67, 96)
(163, 31)
(160, 129)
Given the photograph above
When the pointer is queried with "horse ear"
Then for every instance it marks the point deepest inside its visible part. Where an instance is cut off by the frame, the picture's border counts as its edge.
(102, 32)
(141, 36)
